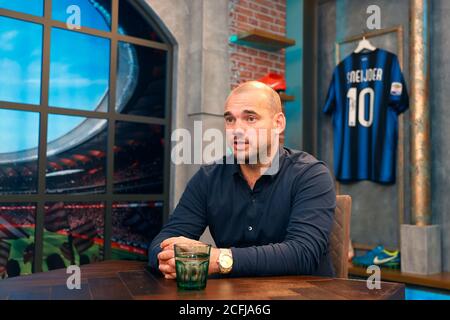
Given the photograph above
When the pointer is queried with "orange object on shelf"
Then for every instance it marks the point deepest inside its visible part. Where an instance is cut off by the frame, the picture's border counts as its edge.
(276, 81)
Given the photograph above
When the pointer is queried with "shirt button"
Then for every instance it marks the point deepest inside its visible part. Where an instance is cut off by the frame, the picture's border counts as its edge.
(250, 228)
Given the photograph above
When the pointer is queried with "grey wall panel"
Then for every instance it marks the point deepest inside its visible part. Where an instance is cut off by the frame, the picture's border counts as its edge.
(327, 37)
(440, 121)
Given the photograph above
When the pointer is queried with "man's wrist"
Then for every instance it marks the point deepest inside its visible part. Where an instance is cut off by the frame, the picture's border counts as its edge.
(214, 261)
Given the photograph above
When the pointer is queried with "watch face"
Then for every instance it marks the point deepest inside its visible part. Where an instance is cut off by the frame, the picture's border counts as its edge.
(225, 261)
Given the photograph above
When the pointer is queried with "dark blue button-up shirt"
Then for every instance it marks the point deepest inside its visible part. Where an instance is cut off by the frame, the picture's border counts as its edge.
(281, 227)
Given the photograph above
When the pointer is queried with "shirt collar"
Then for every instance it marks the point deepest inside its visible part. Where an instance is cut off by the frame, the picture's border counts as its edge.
(236, 169)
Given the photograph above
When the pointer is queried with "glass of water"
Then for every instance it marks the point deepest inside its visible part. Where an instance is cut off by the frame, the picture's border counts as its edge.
(191, 264)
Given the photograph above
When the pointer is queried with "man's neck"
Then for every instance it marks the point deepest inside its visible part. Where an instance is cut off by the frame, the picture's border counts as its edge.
(252, 172)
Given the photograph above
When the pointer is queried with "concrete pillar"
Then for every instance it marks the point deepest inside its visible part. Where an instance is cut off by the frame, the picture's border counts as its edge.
(201, 80)
(420, 114)
(420, 243)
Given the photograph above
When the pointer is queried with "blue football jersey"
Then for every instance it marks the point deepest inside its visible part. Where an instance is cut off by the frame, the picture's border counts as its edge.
(367, 93)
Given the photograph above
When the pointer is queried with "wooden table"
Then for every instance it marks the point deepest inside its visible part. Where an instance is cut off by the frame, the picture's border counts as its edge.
(130, 280)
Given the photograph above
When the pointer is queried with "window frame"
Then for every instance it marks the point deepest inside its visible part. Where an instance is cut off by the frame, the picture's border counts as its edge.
(108, 198)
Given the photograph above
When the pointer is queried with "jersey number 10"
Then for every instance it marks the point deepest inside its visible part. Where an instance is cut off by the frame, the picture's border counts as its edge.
(352, 95)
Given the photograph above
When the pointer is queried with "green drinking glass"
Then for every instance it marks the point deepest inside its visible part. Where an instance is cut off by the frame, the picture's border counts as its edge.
(192, 264)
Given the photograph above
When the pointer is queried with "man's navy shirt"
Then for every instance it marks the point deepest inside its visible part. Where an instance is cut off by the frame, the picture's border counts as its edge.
(281, 227)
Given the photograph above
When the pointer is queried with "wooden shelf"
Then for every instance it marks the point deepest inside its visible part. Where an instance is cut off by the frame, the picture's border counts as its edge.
(262, 40)
(285, 97)
(437, 281)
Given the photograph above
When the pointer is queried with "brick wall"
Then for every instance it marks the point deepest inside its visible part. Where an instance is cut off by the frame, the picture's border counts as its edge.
(248, 63)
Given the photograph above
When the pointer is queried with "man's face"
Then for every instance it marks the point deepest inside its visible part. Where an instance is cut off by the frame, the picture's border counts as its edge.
(249, 123)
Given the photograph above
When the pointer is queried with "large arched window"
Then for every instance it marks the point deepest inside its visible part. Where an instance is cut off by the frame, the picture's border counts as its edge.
(84, 125)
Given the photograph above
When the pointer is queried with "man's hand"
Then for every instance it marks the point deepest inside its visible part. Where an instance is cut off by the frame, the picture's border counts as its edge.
(166, 257)
(168, 243)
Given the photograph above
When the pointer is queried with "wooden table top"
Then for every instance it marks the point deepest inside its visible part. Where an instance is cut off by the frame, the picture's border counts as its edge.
(130, 280)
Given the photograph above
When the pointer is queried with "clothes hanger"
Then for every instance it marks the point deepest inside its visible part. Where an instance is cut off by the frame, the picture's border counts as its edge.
(364, 44)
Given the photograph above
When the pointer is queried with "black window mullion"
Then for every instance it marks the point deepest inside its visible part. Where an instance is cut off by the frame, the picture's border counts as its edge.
(111, 130)
(167, 133)
(42, 150)
(85, 30)
(82, 198)
(83, 113)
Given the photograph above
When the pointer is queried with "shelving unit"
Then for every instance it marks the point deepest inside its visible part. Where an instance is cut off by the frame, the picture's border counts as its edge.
(285, 97)
(261, 39)
(264, 40)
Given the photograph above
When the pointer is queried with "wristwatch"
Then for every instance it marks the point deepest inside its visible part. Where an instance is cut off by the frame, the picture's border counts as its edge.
(225, 261)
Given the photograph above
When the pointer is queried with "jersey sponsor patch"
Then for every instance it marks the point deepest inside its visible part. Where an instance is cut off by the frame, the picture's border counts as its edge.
(396, 89)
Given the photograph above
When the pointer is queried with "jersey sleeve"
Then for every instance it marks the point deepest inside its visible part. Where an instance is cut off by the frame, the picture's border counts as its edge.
(331, 96)
(398, 97)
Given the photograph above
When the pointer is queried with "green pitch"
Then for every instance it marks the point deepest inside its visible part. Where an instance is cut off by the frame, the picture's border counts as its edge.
(52, 244)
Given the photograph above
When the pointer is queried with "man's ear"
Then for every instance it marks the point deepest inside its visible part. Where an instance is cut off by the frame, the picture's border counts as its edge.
(280, 122)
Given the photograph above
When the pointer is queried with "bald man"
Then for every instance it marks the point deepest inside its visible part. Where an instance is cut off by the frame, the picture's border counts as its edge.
(269, 209)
